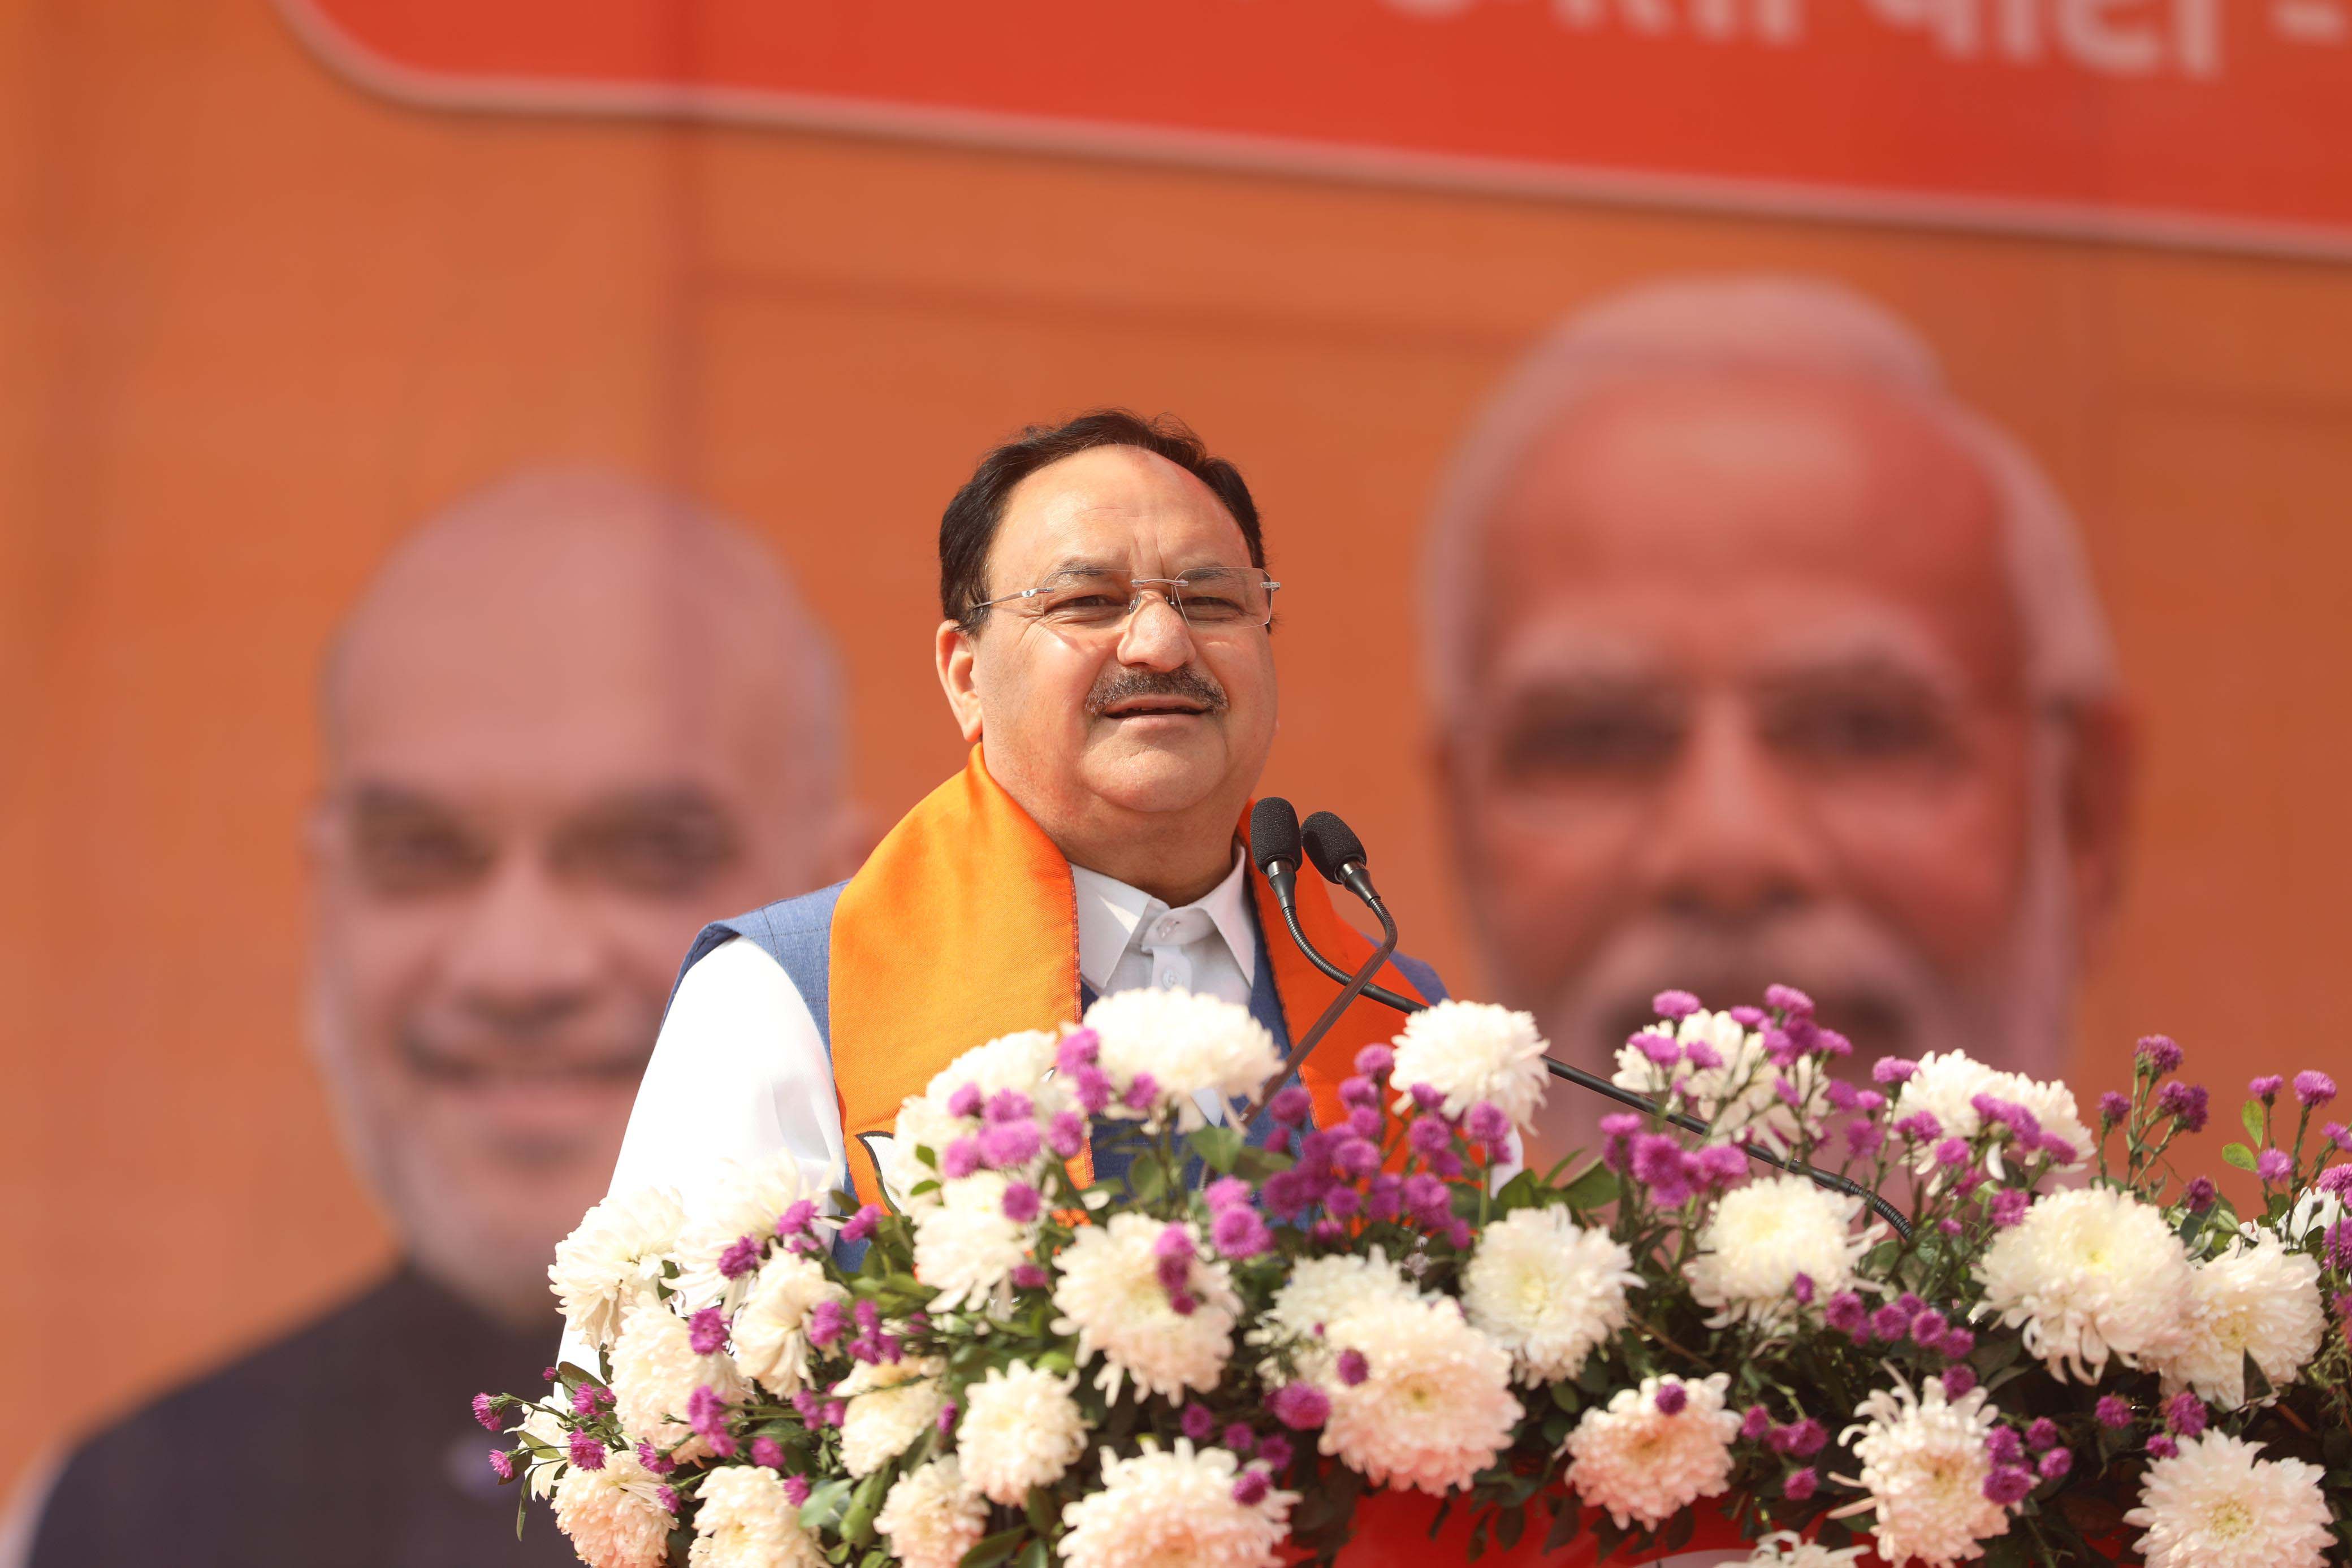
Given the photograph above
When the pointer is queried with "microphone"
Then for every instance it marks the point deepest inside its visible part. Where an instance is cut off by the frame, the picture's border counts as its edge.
(1275, 846)
(1339, 855)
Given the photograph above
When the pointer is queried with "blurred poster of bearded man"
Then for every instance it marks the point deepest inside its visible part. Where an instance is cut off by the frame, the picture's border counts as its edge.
(570, 721)
(1759, 657)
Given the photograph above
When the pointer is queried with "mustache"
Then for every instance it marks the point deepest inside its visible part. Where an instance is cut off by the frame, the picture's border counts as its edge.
(1126, 685)
(499, 1055)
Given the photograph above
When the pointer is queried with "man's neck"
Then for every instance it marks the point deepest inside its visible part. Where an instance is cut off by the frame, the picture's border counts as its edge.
(1176, 875)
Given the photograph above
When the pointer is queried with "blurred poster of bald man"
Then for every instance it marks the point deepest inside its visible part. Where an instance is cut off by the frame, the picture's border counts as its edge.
(1758, 657)
(570, 722)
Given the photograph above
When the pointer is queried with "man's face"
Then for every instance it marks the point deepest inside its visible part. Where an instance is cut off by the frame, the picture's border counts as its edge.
(1749, 706)
(531, 812)
(1150, 717)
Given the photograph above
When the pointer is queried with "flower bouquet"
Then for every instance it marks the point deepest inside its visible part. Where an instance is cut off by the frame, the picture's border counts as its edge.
(2038, 1345)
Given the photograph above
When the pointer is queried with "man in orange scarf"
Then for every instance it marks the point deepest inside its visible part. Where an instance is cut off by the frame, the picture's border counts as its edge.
(1106, 648)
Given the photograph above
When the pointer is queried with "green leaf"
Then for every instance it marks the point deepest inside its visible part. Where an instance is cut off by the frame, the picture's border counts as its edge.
(1043, 1509)
(1218, 1148)
(992, 1550)
(1567, 1524)
(1036, 1554)
(857, 1524)
(1146, 1180)
(824, 1506)
(2250, 1117)
(1591, 1187)
(1509, 1525)
(1678, 1533)
(2240, 1156)
(1257, 1164)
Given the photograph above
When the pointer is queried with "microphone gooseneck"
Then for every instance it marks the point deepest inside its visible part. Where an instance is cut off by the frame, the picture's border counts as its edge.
(1324, 834)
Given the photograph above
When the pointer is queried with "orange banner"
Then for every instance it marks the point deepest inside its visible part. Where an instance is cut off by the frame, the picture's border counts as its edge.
(2195, 121)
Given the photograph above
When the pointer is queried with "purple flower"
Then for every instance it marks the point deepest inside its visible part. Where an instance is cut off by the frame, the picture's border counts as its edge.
(1355, 1158)
(1010, 1105)
(1140, 1093)
(1287, 1193)
(1364, 1122)
(485, 1412)
(1275, 1451)
(868, 1316)
(669, 1499)
(2008, 1485)
(2113, 1107)
(1673, 1004)
(1092, 1086)
(1008, 1146)
(1021, 1203)
(1893, 1070)
(2113, 1412)
(740, 1258)
(1428, 1134)
(1844, 1313)
(1788, 999)
(1660, 1164)
(1250, 1487)
(1959, 1380)
(586, 1452)
(861, 1224)
(2273, 1166)
(1360, 1092)
(2008, 1206)
(706, 1412)
(654, 1459)
(965, 1102)
(1949, 1226)
(1384, 1198)
(2162, 1447)
(828, 1320)
(1291, 1106)
(1301, 1406)
(2043, 1435)
(1718, 1165)
(1756, 1425)
(1239, 1437)
(1354, 1367)
(1029, 1277)
(1427, 1199)
(1703, 1056)
(1864, 1138)
(2184, 1414)
(2003, 1447)
(796, 1218)
(2186, 1103)
(1671, 1397)
(2059, 1151)
(1800, 1485)
(2055, 1464)
(1830, 1042)
(706, 1331)
(2314, 1089)
(2336, 1132)
(1067, 1135)
(811, 1406)
(1921, 1127)
(550, 1375)
(1959, 1344)
(1079, 1048)
(1805, 1440)
(1197, 1422)
(2339, 1244)
(1927, 1329)
(1952, 1152)
(500, 1465)
(959, 1159)
(767, 1453)
(2336, 1179)
(1662, 1049)
(1486, 1122)
(1746, 1016)
(1225, 1192)
(1890, 1321)
(1375, 1060)
(796, 1489)
(2266, 1088)
(1342, 1202)
(2159, 1052)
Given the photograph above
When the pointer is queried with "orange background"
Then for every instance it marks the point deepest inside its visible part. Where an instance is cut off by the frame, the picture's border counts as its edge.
(253, 325)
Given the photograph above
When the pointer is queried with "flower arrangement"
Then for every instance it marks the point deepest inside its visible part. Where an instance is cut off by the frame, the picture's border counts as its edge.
(2058, 1351)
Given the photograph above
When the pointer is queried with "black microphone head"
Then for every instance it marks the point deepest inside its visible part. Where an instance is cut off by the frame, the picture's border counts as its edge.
(1331, 843)
(1273, 832)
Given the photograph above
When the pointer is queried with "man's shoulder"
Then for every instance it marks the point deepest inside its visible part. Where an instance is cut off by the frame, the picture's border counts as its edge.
(796, 932)
(798, 915)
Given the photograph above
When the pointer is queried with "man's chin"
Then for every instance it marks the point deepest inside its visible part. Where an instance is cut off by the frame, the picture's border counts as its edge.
(1156, 773)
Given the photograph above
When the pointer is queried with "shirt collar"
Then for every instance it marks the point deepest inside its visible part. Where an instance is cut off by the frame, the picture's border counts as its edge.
(1111, 912)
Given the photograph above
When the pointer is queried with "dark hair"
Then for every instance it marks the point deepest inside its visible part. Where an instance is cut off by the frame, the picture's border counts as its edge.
(968, 527)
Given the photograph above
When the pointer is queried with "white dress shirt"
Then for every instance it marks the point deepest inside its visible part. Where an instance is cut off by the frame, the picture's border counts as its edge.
(740, 1072)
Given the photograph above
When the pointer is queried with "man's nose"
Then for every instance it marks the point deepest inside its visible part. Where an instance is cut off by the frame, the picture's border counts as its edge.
(1155, 636)
(1733, 840)
(526, 957)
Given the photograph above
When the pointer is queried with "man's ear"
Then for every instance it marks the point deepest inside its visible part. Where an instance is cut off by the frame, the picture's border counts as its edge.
(953, 652)
(2098, 795)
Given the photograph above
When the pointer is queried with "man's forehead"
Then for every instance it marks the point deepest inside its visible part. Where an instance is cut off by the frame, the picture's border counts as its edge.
(1673, 500)
(1100, 505)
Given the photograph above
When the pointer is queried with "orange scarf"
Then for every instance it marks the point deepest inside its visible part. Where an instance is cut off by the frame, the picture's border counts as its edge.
(963, 925)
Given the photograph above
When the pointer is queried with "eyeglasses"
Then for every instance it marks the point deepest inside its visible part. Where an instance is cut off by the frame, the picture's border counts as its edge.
(1211, 599)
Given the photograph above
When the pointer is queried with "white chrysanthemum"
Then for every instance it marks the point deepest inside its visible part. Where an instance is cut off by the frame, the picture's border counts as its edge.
(2089, 1274)
(1020, 1428)
(771, 1339)
(891, 1404)
(1174, 1509)
(1110, 1296)
(743, 1520)
(931, 1519)
(1187, 1042)
(1763, 1235)
(1320, 1289)
(613, 1259)
(545, 1426)
(1638, 1462)
(614, 1517)
(1435, 1406)
(1786, 1549)
(2216, 1505)
(2256, 1298)
(1947, 1082)
(1739, 1096)
(1021, 1061)
(747, 1199)
(966, 1248)
(1923, 1465)
(1547, 1290)
(655, 1372)
(1471, 1051)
